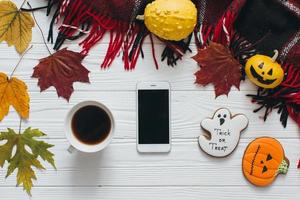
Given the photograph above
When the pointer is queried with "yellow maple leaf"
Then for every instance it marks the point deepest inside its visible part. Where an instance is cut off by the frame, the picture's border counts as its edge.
(15, 26)
(13, 92)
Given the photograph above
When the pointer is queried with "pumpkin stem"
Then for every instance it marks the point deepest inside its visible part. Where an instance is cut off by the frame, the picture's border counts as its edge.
(283, 167)
(140, 17)
(276, 53)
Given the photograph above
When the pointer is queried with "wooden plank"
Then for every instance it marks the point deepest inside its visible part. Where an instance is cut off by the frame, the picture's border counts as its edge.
(185, 173)
(157, 193)
(188, 109)
(121, 165)
(181, 77)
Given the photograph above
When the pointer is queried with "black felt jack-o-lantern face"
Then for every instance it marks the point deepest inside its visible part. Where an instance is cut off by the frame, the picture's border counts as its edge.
(264, 71)
(263, 74)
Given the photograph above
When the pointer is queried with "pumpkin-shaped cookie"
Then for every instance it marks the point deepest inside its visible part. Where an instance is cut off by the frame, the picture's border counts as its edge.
(263, 160)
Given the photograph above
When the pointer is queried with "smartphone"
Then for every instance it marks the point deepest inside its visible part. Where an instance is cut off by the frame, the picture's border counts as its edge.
(153, 117)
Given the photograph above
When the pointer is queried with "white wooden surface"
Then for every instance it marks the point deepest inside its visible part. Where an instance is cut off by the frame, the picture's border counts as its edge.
(119, 172)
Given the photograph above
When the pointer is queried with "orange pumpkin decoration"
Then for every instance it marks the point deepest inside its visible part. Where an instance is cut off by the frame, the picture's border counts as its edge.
(263, 160)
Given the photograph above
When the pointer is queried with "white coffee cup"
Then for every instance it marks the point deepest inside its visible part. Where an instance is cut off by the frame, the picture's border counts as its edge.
(76, 144)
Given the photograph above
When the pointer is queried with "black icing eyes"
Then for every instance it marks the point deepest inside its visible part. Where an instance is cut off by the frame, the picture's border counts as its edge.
(219, 115)
(265, 169)
(269, 157)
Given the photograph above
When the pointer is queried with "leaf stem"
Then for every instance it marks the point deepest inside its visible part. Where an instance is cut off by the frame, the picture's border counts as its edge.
(12, 73)
(33, 9)
(20, 125)
(22, 4)
(44, 40)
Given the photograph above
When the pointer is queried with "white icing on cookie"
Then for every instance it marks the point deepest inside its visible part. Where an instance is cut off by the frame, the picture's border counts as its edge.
(224, 131)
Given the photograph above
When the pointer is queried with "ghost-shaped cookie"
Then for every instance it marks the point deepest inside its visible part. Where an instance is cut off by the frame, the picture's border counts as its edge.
(223, 132)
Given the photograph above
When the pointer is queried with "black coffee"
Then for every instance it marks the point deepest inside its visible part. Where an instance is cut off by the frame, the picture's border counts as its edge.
(91, 124)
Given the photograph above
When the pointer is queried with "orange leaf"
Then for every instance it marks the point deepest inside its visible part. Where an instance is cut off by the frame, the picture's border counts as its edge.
(13, 92)
(218, 67)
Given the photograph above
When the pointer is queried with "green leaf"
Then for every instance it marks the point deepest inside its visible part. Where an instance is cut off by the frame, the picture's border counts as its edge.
(38, 148)
(23, 160)
(6, 149)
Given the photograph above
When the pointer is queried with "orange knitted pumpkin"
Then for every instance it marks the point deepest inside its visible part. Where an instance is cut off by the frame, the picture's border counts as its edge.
(263, 160)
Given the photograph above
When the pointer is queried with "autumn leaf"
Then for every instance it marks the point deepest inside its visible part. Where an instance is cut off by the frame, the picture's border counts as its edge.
(218, 67)
(61, 70)
(23, 160)
(15, 26)
(13, 92)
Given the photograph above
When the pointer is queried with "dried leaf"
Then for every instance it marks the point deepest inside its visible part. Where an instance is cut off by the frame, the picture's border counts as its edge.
(218, 67)
(15, 26)
(22, 159)
(61, 70)
(13, 92)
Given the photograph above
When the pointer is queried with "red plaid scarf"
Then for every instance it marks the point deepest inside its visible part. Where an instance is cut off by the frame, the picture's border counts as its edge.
(216, 19)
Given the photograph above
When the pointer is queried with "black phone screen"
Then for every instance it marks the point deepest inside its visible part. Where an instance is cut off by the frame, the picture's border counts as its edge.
(153, 116)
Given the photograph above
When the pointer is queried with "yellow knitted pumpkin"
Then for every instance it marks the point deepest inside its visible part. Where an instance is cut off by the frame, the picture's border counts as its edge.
(171, 19)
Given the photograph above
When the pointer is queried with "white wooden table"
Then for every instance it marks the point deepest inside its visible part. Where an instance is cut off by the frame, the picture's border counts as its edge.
(120, 172)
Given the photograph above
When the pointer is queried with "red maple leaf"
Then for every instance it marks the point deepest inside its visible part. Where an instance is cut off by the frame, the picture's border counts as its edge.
(61, 70)
(218, 67)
